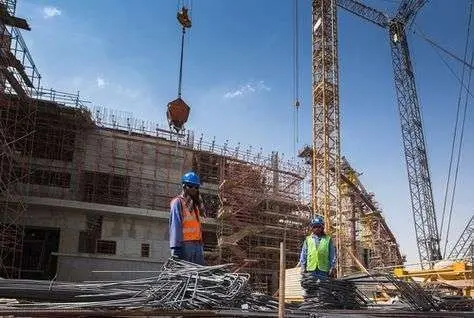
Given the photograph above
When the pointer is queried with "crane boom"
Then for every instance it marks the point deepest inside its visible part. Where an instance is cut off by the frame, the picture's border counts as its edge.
(462, 247)
(407, 11)
(365, 12)
(419, 180)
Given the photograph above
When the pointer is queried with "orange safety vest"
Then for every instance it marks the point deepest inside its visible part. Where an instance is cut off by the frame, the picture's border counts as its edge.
(191, 224)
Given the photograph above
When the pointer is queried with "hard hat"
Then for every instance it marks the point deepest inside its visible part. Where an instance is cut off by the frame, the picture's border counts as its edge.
(191, 178)
(317, 221)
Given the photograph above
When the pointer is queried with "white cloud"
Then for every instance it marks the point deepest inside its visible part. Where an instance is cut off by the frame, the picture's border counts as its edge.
(127, 91)
(49, 12)
(100, 82)
(246, 89)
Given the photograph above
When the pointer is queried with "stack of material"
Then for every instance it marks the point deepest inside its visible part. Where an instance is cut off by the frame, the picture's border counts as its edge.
(330, 294)
(179, 285)
(293, 290)
(456, 303)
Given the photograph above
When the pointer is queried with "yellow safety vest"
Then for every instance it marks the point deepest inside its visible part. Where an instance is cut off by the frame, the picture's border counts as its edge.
(317, 257)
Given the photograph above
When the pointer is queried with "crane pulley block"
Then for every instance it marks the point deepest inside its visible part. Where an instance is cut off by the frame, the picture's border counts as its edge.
(183, 18)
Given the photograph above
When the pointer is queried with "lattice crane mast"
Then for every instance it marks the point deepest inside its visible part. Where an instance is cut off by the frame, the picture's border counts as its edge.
(414, 145)
(326, 165)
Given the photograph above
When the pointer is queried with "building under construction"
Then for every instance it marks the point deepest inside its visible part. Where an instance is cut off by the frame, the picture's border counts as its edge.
(85, 189)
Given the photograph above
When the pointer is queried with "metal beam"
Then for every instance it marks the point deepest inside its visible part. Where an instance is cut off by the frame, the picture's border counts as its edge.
(365, 12)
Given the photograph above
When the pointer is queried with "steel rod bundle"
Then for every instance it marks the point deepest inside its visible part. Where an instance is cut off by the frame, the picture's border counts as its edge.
(179, 285)
(411, 293)
(330, 294)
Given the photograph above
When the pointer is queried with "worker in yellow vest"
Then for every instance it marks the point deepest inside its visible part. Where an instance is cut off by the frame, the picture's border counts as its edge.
(318, 255)
(185, 221)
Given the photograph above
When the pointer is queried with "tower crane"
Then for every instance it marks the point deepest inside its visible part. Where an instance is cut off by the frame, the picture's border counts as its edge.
(326, 165)
(419, 180)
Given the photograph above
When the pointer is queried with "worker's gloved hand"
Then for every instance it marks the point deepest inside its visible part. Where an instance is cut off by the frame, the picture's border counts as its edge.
(303, 269)
(332, 273)
(177, 252)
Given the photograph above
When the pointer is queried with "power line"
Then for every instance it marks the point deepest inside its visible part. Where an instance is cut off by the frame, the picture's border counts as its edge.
(458, 158)
(454, 74)
(455, 134)
(436, 45)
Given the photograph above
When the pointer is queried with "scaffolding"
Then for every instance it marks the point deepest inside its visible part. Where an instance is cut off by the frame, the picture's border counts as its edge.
(369, 241)
(260, 207)
(365, 238)
(19, 80)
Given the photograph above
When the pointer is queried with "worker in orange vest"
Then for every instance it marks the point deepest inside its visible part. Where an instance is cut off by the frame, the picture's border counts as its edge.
(185, 221)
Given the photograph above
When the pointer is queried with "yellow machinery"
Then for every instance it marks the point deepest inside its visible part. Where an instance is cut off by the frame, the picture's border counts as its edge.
(458, 274)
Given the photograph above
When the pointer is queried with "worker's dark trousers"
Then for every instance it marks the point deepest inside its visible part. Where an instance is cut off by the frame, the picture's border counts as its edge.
(319, 274)
(193, 252)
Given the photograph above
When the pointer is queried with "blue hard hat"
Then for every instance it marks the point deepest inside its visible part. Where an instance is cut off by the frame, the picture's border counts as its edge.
(317, 221)
(191, 178)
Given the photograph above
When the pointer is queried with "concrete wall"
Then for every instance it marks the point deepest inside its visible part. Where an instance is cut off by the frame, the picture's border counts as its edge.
(130, 233)
(127, 230)
(69, 222)
(79, 268)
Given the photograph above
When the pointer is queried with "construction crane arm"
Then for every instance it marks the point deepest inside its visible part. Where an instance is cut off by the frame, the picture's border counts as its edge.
(463, 245)
(408, 10)
(365, 12)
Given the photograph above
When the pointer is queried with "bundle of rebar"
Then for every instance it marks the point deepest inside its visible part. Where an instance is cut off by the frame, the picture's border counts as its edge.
(410, 292)
(330, 294)
(179, 285)
(456, 303)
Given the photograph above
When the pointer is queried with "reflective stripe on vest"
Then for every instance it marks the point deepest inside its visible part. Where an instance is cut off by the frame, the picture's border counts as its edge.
(190, 223)
(317, 257)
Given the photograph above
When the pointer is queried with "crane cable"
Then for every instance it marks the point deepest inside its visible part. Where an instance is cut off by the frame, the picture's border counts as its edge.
(296, 73)
(435, 45)
(182, 5)
(461, 138)
(455, 135)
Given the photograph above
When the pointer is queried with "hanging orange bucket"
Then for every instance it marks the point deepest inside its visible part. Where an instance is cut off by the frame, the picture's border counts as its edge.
(177, 113)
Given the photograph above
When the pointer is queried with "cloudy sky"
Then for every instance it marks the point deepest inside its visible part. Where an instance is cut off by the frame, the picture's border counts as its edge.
(124, 55)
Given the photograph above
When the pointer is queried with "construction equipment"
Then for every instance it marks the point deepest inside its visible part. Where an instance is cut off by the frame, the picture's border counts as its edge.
(326, 163)
(458, 274)
(421, 194)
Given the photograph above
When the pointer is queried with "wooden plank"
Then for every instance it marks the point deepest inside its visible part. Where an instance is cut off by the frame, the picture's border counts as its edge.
(293, 290)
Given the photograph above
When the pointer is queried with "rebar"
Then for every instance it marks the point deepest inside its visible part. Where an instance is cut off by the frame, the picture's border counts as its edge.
(179, 285)
(330, 294)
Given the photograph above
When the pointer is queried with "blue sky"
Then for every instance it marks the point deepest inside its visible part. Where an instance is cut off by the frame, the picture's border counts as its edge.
(238, 81)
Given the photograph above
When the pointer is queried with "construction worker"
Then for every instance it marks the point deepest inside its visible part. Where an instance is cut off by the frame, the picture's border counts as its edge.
(318, 255)
(185, 221)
